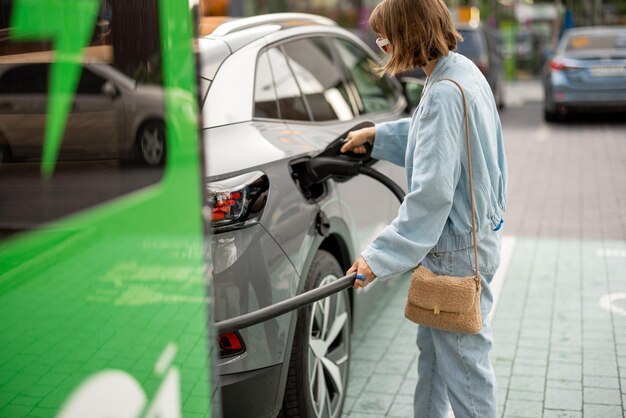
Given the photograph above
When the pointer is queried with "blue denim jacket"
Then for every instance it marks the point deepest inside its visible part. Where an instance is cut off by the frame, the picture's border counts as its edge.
(435, 215)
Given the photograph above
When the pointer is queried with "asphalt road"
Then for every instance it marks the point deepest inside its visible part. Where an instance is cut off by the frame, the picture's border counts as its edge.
(566, 180)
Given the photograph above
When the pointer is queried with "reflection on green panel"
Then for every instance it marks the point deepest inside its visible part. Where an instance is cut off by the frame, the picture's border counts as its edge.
(104, 309)
(68, 24)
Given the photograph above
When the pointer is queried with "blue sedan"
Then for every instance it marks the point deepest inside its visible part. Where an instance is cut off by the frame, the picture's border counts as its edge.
(587, 73)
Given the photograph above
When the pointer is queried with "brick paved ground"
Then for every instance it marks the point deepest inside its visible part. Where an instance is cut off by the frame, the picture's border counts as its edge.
(560, 322)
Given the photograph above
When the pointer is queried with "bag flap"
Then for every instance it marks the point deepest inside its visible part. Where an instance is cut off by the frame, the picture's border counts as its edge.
(442, 293)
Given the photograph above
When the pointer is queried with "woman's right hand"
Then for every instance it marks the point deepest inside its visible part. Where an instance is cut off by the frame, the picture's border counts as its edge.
(356, 139)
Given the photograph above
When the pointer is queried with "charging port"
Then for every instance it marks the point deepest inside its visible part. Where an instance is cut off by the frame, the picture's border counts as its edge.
(311, 174)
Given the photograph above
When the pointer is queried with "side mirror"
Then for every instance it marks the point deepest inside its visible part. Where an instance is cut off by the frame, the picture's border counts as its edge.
(413, 88)
(109, 90)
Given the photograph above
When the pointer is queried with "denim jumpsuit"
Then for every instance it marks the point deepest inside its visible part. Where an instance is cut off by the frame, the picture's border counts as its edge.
(433, 226)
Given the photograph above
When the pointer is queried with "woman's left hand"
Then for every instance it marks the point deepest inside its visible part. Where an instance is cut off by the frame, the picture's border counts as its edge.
(363, 271)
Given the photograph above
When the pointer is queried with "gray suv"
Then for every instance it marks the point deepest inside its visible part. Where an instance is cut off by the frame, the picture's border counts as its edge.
(276, 90)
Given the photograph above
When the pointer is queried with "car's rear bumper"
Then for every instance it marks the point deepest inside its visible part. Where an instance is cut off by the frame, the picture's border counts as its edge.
(251, 394)
(563, 94)
(250, 271)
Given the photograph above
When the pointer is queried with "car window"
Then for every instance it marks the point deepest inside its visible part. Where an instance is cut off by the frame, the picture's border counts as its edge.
(90, 83)
(376, 94)
(290, 101)
(25, 79)
(265, 104)
(472, 46)
(320, 79)
(594, 41)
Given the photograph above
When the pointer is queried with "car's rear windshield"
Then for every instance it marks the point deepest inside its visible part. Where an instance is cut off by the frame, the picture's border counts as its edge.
(608, 40)
(472, 45)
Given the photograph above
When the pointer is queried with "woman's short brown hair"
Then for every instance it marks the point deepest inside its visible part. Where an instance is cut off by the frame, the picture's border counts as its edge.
(419, 31)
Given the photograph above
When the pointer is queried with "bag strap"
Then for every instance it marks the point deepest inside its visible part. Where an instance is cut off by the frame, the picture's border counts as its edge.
(469, 168)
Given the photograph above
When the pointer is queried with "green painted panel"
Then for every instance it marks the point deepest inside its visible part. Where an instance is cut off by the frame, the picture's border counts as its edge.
(68, 23)
(107, 309)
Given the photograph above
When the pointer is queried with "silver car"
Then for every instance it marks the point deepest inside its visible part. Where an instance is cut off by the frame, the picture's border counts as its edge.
(277, 90)
(587, 73)
(112, 116)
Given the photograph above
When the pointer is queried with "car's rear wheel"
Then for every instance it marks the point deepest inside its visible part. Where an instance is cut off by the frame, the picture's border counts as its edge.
(319, 364)
(151, 143)
(550, 116)
(5, 153)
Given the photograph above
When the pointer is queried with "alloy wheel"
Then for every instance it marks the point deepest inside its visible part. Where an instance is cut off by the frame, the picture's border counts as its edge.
(328, 353)
(152, 145)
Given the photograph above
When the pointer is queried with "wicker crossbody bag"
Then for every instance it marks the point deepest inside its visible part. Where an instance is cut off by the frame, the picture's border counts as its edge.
(448, 302)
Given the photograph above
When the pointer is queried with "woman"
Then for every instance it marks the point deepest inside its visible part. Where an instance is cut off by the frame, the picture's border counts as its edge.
(433, 226)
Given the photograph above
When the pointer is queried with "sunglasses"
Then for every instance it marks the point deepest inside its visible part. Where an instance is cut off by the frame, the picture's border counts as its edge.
(383, 43)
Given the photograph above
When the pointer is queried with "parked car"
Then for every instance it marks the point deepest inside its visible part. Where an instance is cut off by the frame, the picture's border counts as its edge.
(480, 46)
(112, 115)
(278, 89)
(587, 72)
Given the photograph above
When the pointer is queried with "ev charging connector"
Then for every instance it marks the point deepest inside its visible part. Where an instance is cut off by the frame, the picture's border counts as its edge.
(311, 173)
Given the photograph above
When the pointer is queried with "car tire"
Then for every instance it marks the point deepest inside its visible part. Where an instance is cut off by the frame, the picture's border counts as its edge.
(5, 153)
(550, 116)
(151, 143)
(320, 357)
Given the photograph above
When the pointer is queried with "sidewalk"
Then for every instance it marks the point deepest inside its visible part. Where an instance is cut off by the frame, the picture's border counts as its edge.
(558, 352)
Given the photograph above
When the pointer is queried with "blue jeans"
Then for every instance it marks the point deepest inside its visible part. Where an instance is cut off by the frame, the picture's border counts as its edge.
(455, 367)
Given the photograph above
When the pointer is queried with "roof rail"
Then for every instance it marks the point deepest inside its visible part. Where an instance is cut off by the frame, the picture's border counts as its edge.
(272, 18)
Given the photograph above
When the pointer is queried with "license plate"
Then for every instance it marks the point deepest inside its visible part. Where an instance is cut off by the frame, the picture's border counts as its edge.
(608, 71)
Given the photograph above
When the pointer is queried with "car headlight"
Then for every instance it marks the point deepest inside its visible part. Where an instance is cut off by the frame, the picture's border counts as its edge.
(237, 202)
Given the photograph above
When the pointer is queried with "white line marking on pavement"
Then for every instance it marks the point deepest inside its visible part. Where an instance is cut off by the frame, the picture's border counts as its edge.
(165, 360)
(608, 302)
(611, 252)
(506, 252)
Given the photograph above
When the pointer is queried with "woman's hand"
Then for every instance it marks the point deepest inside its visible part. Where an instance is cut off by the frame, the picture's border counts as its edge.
(363, 273)
(356, 139)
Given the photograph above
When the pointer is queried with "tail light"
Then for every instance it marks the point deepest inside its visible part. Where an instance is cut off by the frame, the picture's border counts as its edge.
(237, 202)
(556, 65)
(231, 344)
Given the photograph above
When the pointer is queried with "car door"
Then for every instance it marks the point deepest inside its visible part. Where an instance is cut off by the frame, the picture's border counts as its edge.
(93, 125)
(378, 100)
(301, 136)
(333, 106)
